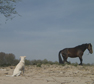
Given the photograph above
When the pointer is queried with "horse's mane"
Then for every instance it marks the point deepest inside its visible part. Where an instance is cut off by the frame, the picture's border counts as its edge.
(81, 46)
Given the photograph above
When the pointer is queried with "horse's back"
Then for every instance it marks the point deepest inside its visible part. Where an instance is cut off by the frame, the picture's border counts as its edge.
(70, 52)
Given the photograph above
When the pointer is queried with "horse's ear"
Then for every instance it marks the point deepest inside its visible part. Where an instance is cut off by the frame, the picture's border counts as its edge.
(90, 44)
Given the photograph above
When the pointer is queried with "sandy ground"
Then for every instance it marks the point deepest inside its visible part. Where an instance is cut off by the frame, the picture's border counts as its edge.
(50, 74)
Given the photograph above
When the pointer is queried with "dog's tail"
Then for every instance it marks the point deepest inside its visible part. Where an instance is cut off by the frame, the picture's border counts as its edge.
(10, 75)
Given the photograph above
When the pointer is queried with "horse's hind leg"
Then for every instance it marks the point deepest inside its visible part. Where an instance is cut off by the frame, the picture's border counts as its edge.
(65, 59)
(80, 60)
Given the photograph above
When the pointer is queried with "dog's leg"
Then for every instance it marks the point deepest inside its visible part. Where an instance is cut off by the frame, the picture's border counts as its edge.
(18, 73)
(23, 70)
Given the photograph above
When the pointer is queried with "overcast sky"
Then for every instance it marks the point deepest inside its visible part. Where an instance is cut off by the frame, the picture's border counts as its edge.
(47, 26)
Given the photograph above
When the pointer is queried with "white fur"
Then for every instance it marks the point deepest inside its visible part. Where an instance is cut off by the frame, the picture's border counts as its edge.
(19, 68)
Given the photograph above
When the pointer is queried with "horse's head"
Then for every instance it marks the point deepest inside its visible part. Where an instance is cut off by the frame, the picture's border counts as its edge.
(90, 48)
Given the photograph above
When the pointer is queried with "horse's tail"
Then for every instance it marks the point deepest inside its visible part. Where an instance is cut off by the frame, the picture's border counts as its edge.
(60, 59)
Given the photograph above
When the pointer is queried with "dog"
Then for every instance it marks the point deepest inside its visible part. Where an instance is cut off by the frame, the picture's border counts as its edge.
(19, 68)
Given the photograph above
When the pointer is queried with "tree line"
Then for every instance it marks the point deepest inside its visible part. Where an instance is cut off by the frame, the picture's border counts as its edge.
(7, 59)
(10, 60)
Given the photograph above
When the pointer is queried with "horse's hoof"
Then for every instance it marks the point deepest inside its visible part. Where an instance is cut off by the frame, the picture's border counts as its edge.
(80, 64)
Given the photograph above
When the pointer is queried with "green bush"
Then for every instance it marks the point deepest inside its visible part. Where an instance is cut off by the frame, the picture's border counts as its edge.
(75, 64)
(9, 60)
(39, 65)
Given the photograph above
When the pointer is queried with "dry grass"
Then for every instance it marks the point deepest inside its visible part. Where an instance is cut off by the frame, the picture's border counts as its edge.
(50, 74)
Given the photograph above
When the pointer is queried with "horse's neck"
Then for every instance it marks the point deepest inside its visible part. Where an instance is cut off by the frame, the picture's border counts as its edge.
(83, 47)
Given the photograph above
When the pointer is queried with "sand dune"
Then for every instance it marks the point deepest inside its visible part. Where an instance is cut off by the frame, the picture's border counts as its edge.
(50, 74)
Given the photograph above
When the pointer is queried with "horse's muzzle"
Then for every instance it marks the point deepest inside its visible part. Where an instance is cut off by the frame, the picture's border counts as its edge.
(91, 51)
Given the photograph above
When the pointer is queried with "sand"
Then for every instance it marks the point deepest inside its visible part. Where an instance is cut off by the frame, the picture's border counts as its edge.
(49, 74)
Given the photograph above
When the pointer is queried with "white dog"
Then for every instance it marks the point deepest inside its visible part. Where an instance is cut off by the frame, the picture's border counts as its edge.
(19, 68)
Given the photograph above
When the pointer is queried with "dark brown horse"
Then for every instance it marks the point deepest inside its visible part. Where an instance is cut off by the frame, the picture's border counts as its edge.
(74, 52)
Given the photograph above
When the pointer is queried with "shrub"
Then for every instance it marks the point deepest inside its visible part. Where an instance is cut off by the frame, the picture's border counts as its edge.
(27, 62)
(39, 65)
(6, 59)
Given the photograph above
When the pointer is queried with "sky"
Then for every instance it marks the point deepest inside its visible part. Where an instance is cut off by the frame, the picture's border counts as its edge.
(47, 26)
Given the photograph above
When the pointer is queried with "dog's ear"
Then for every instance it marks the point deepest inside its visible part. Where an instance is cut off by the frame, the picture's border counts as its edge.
(20, 56)
(24, 56)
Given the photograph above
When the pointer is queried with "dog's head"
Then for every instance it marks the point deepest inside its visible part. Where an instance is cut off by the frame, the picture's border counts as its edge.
(22, 58)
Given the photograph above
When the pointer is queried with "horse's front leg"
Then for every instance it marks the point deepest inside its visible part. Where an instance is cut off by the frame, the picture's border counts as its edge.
(80, 60)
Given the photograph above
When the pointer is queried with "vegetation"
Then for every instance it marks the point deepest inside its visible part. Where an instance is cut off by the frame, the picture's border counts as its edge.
(7, 59)
(7, 8)
(38, 63)
(10, 60)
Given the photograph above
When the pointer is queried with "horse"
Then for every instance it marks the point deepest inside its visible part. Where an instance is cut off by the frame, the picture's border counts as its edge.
(74, 52)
